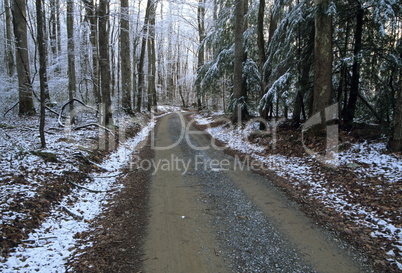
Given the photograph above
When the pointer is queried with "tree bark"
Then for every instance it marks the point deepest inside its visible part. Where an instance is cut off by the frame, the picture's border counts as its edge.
(201, 49)
(125, 57)
(93, 21)
(263, 57)
(142, 57)
(239, 91)
(52, 28)
(105, 62)
(9, 48)
(265, 75)
(42, 70)
(71, 55)
(58, 27)
(151, 59)
(354, 88)
(25, 92)
(305, 67)
(395, 143)
(322, 57)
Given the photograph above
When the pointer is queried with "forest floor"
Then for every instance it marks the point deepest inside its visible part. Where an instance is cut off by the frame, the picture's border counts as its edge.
(46, 219)
(360, 197)
(49, 196)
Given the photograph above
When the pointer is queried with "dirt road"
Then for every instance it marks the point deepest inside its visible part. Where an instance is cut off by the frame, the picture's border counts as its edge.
(211, 213)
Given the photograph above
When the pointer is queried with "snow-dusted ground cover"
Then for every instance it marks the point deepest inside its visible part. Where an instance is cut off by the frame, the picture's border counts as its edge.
(46, 248)
(54, 240)
(368, 160)
(372, 161)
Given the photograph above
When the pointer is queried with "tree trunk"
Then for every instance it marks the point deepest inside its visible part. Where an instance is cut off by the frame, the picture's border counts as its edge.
(142, 57)
(105, 62)
(153, 62)
(151, 59)
(26, 106)
(92, 19)
(9, 48)
(71, 55)
(354, 88)
(264, 113)
(114, 64)
(239, 92)
(52, 28)
(322, 57)
(58, 26)
(201, 50)
(42, 70)
(263, 57)
(342, 88)
(395, 143)
(45, 53)
(150, 77)
(305, 67)
(125, 57)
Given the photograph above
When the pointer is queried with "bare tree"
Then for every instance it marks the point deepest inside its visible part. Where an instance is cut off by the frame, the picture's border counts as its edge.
(142, 57)
(42, 70)
(91, 17)
(54, 32)
(125, 57)
(104, 61)
(201, 51)
(152, 100)
(9, 48)
(26, 106)
(71, 54)
(53, 28)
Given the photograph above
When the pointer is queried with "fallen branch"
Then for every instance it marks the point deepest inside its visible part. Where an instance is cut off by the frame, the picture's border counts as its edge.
(53, 111)
(376, 115)
(90, 190)
(6, 135)
(54, 128)
(72, 214)
(46, 107)
(39, 239)
(80, 155)
(116, 175)
(72, 101)
(94, 124)
(10, 109)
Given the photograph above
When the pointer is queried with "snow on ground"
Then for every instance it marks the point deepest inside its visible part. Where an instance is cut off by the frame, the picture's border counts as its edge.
(168, 108)
(17, 160)
(47, 247)
(372, 161)
(367, 159)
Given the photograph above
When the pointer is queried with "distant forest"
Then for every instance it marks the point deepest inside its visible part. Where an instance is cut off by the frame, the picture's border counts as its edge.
(278, 58)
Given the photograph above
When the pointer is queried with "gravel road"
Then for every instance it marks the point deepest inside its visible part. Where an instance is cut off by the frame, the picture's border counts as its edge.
(209, 212)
